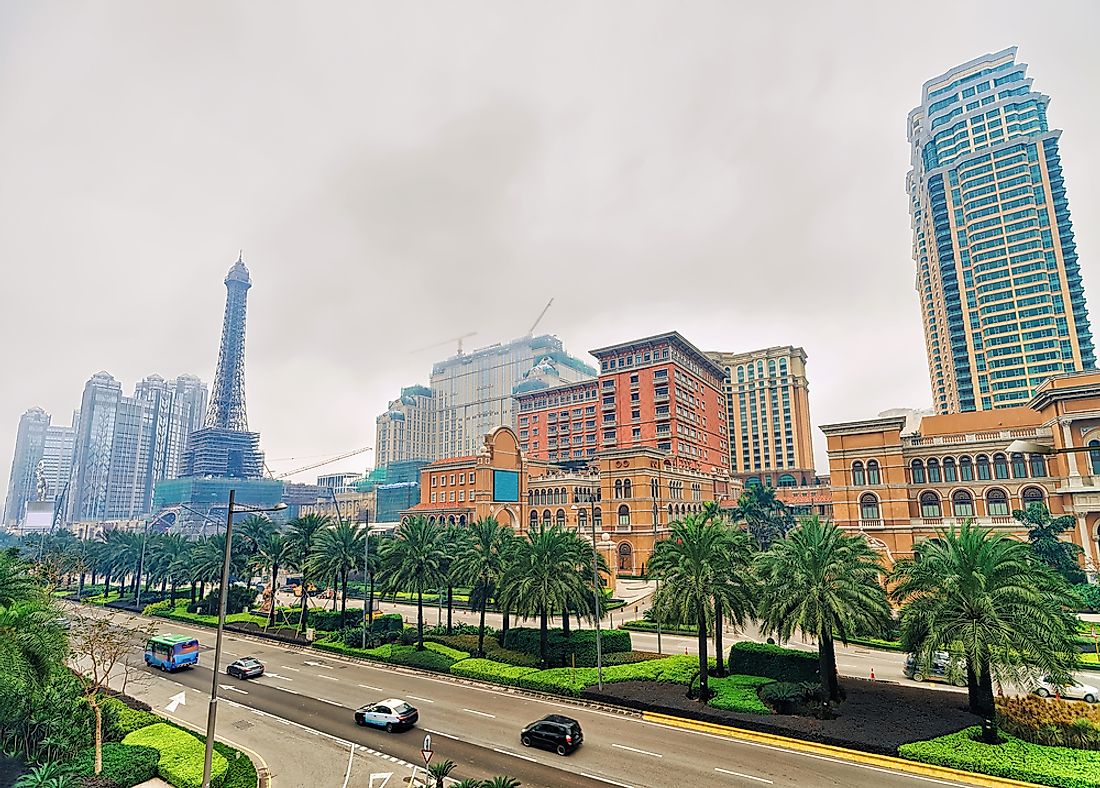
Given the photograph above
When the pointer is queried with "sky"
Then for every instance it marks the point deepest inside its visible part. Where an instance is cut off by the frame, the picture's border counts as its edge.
(398, 174)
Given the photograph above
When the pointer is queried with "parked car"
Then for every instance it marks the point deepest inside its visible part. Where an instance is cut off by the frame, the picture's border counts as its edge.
(1086, 692)
(553, 732)
(391, 714)
(245, 668)
(943, 667)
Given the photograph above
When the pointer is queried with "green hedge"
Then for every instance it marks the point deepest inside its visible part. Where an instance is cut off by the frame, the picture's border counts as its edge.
(241, 772)
(493, 650)
(119, 720)
(876, 643)
(1014, 759)
(678, 669)
(488, 670)
(560, 649)
(125, 764)
(181, 755)
(774, 662)
(738, 693)
(651, 626)
(435, 656)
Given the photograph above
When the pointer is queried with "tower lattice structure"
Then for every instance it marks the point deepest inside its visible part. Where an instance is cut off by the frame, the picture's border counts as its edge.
(227, 408)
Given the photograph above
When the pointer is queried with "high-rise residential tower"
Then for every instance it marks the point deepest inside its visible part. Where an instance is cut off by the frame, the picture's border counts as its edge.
(768, 406)
(30, 441)
(1001, 296)
(404, 432)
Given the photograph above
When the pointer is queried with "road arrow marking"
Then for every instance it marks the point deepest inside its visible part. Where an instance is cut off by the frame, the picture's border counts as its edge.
(179, 699)
(318, 664)
(277, 676)
(231, 688)
(382, 777)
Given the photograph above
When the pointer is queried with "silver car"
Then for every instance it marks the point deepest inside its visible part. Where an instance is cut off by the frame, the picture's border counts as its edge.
(1086, 692)
(391, 714)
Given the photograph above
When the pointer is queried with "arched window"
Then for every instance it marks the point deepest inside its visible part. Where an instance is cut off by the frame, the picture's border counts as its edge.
(918, 472)
(962, 504)
(859, 478)
(534, 518)
(626, 562)
(873, 475)
(983, 468)
(1031, 495)
(462, 519)
(1094, 457)
(546, 517)
(1000, 466)
(966, 469)
(996, 502)
(934, 471)
(626, 489)
(868, 507)
(618, 488)
(1038, 466)
(559, 517)
(950, 473)
(930, 505)
(530, 497)
(451, 520)
(624, 515)
(597, 517)
(785, 480)
(1019, 467)
(670, 511)
(582, 519)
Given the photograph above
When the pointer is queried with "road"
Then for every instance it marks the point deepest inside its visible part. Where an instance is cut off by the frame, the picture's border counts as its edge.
(478, 728)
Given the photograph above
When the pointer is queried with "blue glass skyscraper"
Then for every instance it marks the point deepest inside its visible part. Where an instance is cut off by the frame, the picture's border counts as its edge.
(1001, 296)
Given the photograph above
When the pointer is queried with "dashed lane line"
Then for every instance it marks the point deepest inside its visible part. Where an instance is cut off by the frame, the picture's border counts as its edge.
(481, 713)
(322, 676)
(640, 752)
(332, 702)
(417, 697)
(287, 667)
(368, 686)
(605, 780)
(514, 754)
(745, 776)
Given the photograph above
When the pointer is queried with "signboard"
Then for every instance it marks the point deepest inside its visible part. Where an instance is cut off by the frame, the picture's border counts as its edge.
(426, 751)
(506, 486)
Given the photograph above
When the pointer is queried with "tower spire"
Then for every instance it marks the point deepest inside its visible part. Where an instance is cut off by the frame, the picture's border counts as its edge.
(227, 409)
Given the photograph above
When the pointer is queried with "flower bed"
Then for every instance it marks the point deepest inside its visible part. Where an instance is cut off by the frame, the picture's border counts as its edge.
(1013, 759)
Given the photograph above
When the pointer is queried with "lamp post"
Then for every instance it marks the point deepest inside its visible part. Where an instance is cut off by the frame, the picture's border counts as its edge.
(595, 587)
(368, 577)
(212, 713)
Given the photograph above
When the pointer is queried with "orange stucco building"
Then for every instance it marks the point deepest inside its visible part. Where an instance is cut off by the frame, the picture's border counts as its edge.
(899, 482)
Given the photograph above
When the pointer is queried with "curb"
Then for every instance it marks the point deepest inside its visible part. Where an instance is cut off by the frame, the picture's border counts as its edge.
(839, 753)
(264, 778)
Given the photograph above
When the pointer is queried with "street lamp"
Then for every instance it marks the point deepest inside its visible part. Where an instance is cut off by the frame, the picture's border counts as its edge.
(141, 562)
(595, 586)
(212, 713)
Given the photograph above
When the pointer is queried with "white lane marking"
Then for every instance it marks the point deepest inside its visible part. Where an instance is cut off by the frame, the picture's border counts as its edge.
(231, 688)
(277, 676)
(322, 676)
(605, 780)
(331, 702)
(417, 697)
(347, 774)
(481, 713)
(313, 664)
(292, 692)
(514, 754)
(287, 667)
(441, 733)
(368, 686)
(640, 752)
(746, 776)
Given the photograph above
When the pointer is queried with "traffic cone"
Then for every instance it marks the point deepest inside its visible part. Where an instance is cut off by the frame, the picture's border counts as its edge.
(872, 674)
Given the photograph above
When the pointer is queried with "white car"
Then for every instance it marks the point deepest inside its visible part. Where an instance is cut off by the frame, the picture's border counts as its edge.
(390, 714)
(1086, 692)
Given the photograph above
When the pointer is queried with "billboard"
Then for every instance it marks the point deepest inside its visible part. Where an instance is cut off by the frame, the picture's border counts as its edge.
(506, 486)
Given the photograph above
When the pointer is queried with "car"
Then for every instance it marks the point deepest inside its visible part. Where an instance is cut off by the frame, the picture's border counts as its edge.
(553, 732)
(943, 667)
(1086, 692)
(245, 668)
(391, 714)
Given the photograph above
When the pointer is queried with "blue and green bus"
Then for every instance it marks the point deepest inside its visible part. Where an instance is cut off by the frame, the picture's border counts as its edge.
(171, 652)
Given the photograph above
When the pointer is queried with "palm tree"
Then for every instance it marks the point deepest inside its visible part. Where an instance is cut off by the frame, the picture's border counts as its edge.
(766, 517)
(480, 563)
(273, 552)
(704, 560)
(454, 536)
(986, 597)
(337, 553)
(440, 770)
(1043, 531)
(541, 577)
(170, 553)
(302, 536)
(252, 532)
(413, 561)
(16, 582)
(827, 585)
(501, 782)
(32, 646)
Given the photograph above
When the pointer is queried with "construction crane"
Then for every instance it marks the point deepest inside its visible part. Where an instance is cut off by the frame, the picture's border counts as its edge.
(542, 314)
(321, 464)
(447, 342)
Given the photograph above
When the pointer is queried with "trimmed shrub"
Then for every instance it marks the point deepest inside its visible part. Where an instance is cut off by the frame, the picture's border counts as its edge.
(561, 650)
(181, 755)
(493, 650)
(123, 764)
(241, 772)
(651, 626)
(1089, 594)
(774, 662)
(119, 720)
(488, 670)
(738, 693)
(434, 656)
(1013, 759)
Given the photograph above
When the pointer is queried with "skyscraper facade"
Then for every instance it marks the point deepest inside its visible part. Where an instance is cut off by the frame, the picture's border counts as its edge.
(30, 441)
(768, 406)
(57, 460)
(1001, 296)
(404, 432)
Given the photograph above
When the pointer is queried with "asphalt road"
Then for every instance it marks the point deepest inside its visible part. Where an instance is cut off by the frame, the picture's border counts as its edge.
(478, 728)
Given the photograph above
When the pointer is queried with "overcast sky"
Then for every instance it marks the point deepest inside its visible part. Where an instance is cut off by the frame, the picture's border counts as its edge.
(400, 173)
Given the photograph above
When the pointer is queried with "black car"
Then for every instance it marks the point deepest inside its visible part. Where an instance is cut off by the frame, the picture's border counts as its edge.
(246, 668)
(942, 667)
(553, 732)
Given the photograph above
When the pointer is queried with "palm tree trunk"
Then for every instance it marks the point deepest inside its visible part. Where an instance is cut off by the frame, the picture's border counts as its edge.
(343, 597)
(481, 628)
(565, 621)
(826, 660)
(972, 690)
(370, 601)
(720, 666)
(544, 622)
(450, 604)
(504, 627)
(704, 687)
(305, 608)
(987, 706)
(172, 593)
(80, 587)
(419, 619)
(271, 612)
(192, 592)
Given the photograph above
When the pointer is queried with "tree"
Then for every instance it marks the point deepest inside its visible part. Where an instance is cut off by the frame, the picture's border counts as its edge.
(986, 597)
(17, 584)
(827, 585)
(413, 560)
(1043, 530)
(501, 782)
(766, 517)
(338, 552)
(453, 538)
(480, 563)
(440, 770)
(302, 536)
(100, 652)
(273, 552)
(171, 554)
(252, 532)
(703, 560)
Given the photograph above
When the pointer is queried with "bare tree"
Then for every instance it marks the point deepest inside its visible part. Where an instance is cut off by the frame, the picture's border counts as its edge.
(102, 652)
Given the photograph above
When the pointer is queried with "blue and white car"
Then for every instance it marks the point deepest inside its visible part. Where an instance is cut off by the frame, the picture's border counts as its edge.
(391, 714)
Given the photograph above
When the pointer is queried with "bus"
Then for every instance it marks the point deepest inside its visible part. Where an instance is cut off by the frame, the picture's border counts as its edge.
(171, 652)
